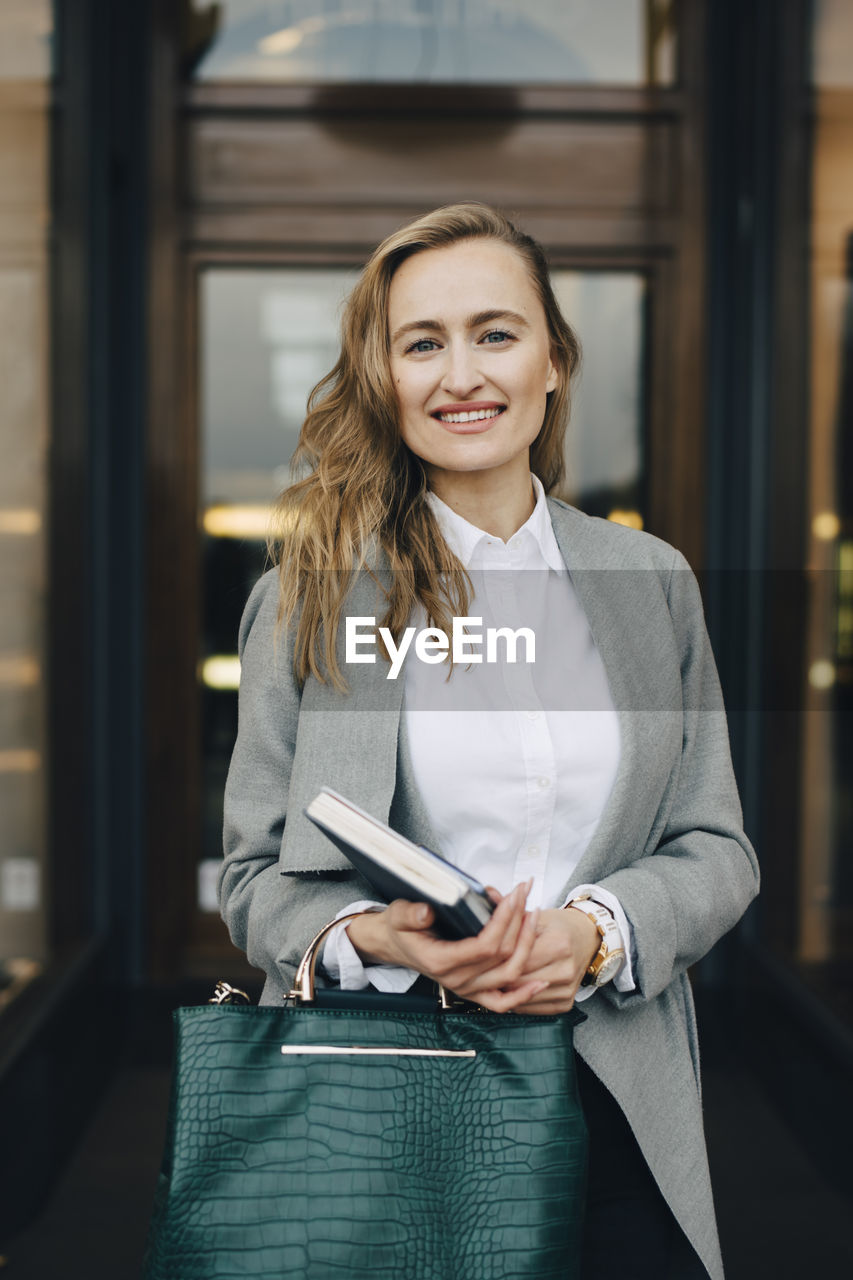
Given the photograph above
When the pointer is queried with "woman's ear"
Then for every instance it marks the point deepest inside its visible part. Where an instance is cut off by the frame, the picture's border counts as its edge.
(552, 381)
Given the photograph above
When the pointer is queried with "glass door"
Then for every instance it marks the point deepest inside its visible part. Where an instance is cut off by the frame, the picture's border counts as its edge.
(286, 153)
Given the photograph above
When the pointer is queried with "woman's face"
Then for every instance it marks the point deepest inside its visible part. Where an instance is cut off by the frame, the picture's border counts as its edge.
(470, 359)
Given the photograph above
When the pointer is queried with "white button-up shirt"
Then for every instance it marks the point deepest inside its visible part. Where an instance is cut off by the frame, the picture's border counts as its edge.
(514, 761)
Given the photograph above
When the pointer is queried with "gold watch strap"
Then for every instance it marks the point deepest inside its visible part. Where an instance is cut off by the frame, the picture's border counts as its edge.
(583, 903)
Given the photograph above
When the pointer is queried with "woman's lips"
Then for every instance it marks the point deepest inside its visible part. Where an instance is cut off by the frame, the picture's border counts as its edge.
(468, 419)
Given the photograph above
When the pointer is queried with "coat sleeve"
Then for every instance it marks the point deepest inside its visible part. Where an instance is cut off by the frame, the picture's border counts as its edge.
(270, 916)
(693, 887)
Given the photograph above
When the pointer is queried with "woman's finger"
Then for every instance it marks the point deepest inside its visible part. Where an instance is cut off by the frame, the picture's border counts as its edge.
(502, 926)
(490, 965)
(515, 923)
(472, 955)
(509, 1001)
(544, 1004)
(562, 973)
(557, 996)
(515, 969)
(405, 915)
(525, 943)
(460, 963)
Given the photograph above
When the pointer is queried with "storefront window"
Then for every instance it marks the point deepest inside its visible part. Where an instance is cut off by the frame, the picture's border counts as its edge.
(619, 42)
(825, 934)
(25, 62)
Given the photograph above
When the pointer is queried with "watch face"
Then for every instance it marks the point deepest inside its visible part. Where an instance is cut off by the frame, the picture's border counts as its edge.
(609, 968)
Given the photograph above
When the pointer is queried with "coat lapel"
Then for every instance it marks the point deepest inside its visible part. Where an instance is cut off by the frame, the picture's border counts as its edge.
(345, 741)
(621, 606)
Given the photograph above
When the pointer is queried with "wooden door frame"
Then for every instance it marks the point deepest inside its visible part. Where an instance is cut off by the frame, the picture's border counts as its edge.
(192, 221)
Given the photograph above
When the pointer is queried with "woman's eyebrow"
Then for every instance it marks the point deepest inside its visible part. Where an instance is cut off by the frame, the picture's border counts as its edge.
(413, 325)
(473, 322)
(489, 317)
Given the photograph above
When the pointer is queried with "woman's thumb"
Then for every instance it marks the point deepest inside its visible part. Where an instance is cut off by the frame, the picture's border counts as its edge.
(412, 915)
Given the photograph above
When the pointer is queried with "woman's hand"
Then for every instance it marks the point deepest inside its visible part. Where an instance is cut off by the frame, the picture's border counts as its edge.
(493, 969)
(566, 942)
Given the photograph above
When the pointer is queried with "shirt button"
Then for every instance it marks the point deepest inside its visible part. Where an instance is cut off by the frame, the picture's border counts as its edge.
(533, 850)
(544, 782)
(533, 715)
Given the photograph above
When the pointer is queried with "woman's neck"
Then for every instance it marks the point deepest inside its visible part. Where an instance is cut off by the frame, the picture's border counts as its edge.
(500, 507)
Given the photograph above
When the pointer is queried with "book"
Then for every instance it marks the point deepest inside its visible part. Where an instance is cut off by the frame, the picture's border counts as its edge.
(398, 868)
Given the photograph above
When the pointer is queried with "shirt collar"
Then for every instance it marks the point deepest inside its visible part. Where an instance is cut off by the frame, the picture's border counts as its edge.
(465, 539)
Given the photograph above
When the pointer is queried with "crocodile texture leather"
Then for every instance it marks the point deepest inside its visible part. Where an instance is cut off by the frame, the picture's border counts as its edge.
(344, 1167)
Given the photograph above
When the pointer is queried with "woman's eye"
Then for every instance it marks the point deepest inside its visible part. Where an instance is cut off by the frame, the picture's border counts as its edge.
(496, 336)
(422, 345)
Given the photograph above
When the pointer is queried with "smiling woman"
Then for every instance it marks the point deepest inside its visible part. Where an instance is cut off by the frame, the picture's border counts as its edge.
(472, 395)
(590, 788)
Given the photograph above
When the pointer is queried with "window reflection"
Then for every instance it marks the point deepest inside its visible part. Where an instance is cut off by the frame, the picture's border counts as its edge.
(26, 40)
(824, 942)
(832, 44)
(25, 57)
(605, 440)
(267, 337)
(442, 41)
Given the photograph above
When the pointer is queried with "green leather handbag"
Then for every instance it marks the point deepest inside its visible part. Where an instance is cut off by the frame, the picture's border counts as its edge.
(369, 1141)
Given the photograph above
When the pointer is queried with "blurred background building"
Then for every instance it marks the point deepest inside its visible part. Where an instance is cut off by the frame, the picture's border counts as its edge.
(187, 189)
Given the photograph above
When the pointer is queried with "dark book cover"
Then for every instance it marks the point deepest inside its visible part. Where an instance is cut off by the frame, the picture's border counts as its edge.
(461, 919)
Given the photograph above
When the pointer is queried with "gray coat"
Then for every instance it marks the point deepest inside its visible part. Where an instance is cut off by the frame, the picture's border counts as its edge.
(670, 843)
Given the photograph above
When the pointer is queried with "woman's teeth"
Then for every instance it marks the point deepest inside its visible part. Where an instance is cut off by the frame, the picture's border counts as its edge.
(476, 415)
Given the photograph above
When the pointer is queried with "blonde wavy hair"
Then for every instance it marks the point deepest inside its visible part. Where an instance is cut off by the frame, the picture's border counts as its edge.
(366, 489)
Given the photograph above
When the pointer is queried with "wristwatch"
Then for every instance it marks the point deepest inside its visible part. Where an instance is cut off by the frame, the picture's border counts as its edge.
(608, 958)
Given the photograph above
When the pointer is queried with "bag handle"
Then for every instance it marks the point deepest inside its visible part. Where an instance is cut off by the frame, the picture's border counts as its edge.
(303, 982)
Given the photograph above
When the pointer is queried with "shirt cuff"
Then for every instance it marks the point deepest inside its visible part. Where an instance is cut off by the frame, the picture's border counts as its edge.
(624, 980)
(343, 964)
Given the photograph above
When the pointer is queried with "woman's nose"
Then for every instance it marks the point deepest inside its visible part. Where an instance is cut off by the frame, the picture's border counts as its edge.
(462, 373)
